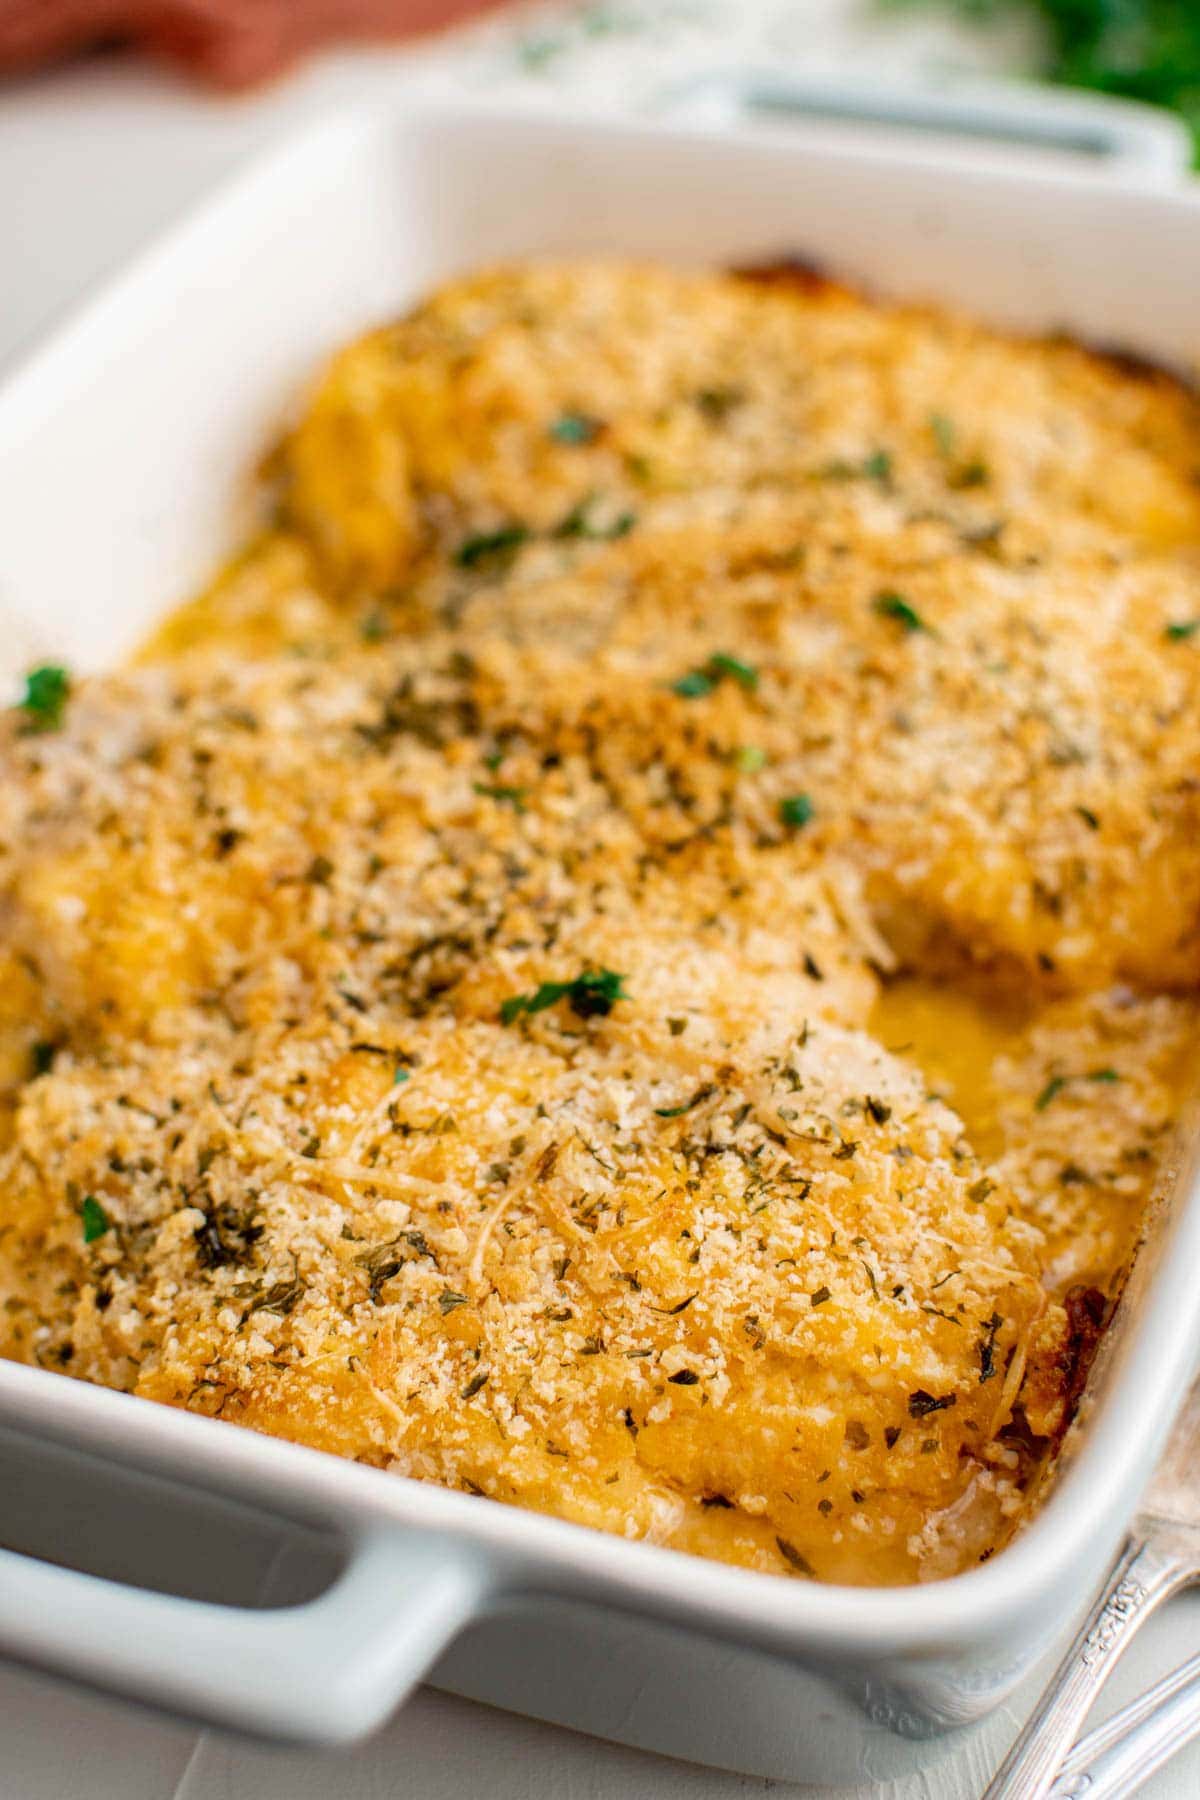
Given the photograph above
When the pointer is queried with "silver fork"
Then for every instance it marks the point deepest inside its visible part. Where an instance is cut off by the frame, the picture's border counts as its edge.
(1161, 1555)
(1114, 1760)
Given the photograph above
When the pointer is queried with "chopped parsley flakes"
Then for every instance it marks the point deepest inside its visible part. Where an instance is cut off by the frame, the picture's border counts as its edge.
(493, 790)
(1057, 1083)
(877, 466)
(1051, 1091)
(95, 1220)
(719, 667)
(592, 994)
(47, 690)
(921, 1403)
(722, 665)
(693, 686)
(674, 1112)
(791, 1555)
(987, 1348)
(890, 605)
(795, 811)
(575, 428)
(485, 546)
(1181, 629)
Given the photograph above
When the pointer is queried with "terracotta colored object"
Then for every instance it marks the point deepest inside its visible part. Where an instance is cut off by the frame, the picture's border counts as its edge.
(226, 43)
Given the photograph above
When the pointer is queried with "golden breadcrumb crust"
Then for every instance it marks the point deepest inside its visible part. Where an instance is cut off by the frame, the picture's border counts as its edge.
(632, 954)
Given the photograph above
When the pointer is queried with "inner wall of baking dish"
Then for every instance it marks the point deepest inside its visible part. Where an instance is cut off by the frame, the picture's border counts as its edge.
(127, 448)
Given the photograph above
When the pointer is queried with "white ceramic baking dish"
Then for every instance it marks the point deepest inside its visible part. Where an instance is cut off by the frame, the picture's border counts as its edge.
(117, 447)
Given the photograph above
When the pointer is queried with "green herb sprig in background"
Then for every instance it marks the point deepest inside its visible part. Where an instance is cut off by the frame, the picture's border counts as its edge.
(1139, 49)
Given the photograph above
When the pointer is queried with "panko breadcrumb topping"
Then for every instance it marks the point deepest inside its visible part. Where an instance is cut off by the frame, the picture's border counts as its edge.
(633, 954)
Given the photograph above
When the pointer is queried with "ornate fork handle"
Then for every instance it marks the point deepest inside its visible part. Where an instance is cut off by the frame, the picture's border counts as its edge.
(1145, 1574)
(1118, 1756)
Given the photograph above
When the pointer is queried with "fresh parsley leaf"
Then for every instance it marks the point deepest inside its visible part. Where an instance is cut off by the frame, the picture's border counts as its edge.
(875, 467)
(1057, 1083)
(795, 811)
(95, 1220)
(595, 993)
(486, 545)
(592, 994)
(721, 664)
(719, 667)
(47, 690)
(575, 428)
(496, 791)
(1051, 1091)
(890, 605)
(675, 1112)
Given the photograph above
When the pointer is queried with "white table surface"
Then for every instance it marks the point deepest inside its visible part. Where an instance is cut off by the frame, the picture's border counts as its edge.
(93, 161)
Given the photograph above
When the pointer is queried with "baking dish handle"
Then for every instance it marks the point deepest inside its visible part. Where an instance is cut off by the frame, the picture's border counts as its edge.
(325, 1673)
(1121, 136)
